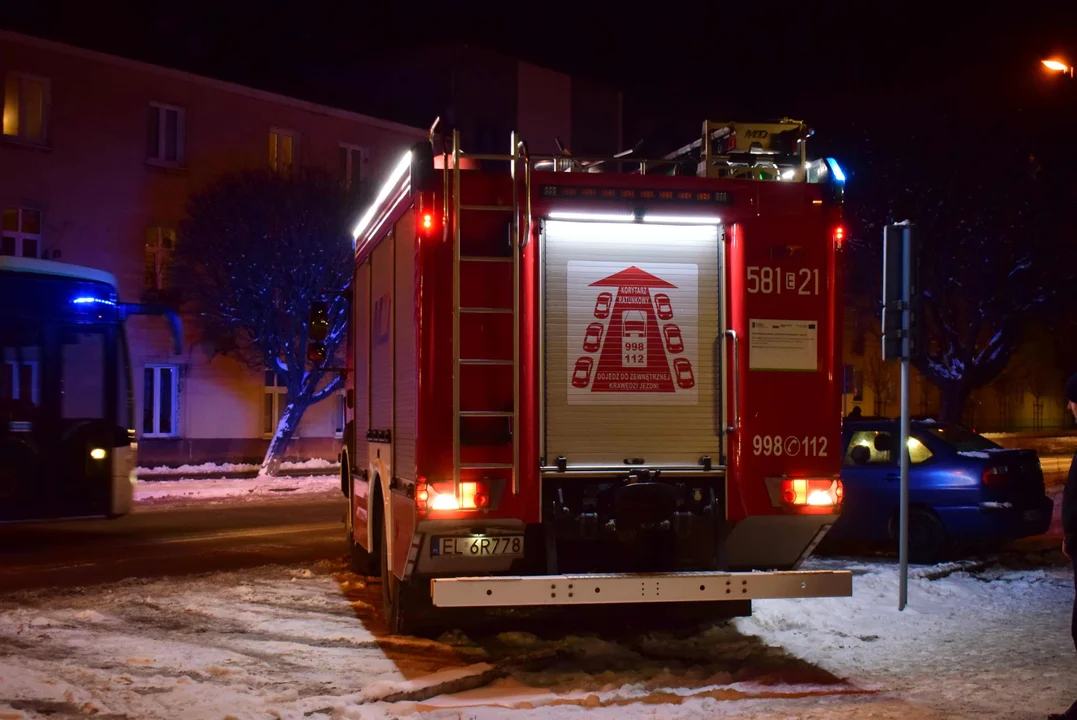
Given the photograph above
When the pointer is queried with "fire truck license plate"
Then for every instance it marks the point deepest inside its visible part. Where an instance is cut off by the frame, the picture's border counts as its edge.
(477, 546)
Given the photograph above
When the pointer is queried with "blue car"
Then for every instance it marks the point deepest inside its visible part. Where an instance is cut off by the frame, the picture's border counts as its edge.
(963, 488)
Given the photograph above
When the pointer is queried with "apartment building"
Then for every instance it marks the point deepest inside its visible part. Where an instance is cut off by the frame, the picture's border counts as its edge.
(98, 157)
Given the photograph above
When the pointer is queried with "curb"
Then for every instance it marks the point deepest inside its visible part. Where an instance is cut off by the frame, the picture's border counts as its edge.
(238, 475)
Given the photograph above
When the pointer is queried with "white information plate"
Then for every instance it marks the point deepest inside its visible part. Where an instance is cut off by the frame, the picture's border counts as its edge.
(789, 345)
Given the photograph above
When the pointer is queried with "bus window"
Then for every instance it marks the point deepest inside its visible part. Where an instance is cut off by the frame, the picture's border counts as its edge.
(82, 375)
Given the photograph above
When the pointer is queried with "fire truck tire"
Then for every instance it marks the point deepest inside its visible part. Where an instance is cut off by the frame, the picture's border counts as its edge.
(399, 605)
(358, 557)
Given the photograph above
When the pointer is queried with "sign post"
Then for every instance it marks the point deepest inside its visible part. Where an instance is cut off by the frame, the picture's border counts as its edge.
(900, 287)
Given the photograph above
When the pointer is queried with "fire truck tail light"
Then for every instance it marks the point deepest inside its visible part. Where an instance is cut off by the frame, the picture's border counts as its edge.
(812, 493)
(440, 496)
(839, 235)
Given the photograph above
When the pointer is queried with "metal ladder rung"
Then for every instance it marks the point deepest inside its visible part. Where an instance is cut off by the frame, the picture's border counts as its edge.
(488, 156)
(485, 259)
(487, 310)
(486, 413)
(487, 466)
(488, 208)
(485, 361)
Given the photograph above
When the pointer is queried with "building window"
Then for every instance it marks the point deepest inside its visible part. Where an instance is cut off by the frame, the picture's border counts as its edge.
(160, 244)
(166, 134)
(26, 107)
(282, 146)
(18, 380)
(351, 160)
(276, 399)
(160, 391)
(21, 232)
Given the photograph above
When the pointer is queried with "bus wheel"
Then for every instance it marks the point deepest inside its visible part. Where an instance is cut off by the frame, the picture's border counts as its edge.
(397, 603)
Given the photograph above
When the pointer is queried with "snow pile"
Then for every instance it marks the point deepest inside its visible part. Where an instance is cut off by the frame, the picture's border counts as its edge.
(307, 643)
(237, 488)
(229, 468)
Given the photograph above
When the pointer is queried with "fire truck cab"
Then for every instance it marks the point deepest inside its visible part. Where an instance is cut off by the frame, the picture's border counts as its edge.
(597, 380)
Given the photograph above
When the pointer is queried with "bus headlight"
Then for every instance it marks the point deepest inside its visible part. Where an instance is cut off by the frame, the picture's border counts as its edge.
(98, 453)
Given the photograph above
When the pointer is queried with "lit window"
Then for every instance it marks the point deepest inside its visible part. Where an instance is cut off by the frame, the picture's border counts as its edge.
(866, 439)
(20, 232)
(160, 244)
(918, 452)
(282, 150)
(276, 400)
(18, 380)
(166, 134)
(26, 107)
(160, 390)
(351, 160)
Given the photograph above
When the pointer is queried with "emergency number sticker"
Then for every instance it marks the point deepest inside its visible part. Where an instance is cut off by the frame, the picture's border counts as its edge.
(633, 335)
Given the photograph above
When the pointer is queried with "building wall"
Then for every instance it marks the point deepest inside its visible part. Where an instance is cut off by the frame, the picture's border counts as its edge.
(1026, 396)
(486, 95)
(98, 193)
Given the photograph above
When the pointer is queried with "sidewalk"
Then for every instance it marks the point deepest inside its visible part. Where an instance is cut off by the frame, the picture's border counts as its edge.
(208, 471)
(170, 490)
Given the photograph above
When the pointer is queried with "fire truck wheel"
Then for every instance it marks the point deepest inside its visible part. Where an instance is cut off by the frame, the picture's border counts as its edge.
(397, 603)
(358, 557)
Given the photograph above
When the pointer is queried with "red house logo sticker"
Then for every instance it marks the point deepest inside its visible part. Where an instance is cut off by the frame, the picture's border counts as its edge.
(632, 333)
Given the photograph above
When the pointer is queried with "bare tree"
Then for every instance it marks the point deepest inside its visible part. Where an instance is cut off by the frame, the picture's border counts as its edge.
(986, 255)
(257, 247)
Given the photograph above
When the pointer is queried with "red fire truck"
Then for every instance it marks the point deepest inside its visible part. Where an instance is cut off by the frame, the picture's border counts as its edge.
(597, 380)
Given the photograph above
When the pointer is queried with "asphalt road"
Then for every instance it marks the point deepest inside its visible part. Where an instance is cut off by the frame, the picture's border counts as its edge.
(169, 541)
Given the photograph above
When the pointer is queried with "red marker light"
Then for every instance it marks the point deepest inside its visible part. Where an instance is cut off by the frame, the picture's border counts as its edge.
(428, 221)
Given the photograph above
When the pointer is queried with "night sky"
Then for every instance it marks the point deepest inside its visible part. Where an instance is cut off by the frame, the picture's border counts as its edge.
(677, 64)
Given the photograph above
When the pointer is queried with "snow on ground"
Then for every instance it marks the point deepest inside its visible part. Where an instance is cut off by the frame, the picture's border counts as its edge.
(306, 643)
(197, 490)
(230, 468)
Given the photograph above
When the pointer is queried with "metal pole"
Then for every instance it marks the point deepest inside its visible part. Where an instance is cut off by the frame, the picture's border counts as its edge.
(903, 447)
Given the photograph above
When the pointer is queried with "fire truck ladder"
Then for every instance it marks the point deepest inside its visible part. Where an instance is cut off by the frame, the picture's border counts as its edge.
(475, 318)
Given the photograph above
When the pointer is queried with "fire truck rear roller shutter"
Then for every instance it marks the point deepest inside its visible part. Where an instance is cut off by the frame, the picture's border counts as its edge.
(632, 342)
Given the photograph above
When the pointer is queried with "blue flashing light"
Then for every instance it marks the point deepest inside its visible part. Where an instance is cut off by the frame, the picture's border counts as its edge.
(89, 300)
(839, 176)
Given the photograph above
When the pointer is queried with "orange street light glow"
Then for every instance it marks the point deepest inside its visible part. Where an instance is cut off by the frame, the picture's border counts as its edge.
(1057, 66)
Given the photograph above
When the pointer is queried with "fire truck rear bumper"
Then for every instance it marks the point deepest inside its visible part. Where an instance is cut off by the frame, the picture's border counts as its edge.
(630, 588)
(779, 542)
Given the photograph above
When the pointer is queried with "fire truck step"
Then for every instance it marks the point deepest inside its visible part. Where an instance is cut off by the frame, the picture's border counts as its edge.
(488, 208)
(485, 259)
(484, 361)
(487, 310)
(486, 466)
(486, 413)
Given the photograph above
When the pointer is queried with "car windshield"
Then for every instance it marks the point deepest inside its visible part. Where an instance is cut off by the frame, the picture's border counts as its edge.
(961, 439)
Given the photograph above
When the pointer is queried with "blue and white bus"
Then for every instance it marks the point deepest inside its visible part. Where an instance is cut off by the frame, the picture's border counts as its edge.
(67, 439)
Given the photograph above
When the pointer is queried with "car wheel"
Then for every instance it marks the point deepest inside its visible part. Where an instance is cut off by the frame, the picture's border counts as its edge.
(927, 536)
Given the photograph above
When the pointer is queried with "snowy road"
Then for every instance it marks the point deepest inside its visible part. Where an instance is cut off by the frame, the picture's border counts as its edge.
(305, 642)
(171, 539)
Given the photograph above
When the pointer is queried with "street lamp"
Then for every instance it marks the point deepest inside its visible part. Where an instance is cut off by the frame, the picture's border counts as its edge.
(1058, 66)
